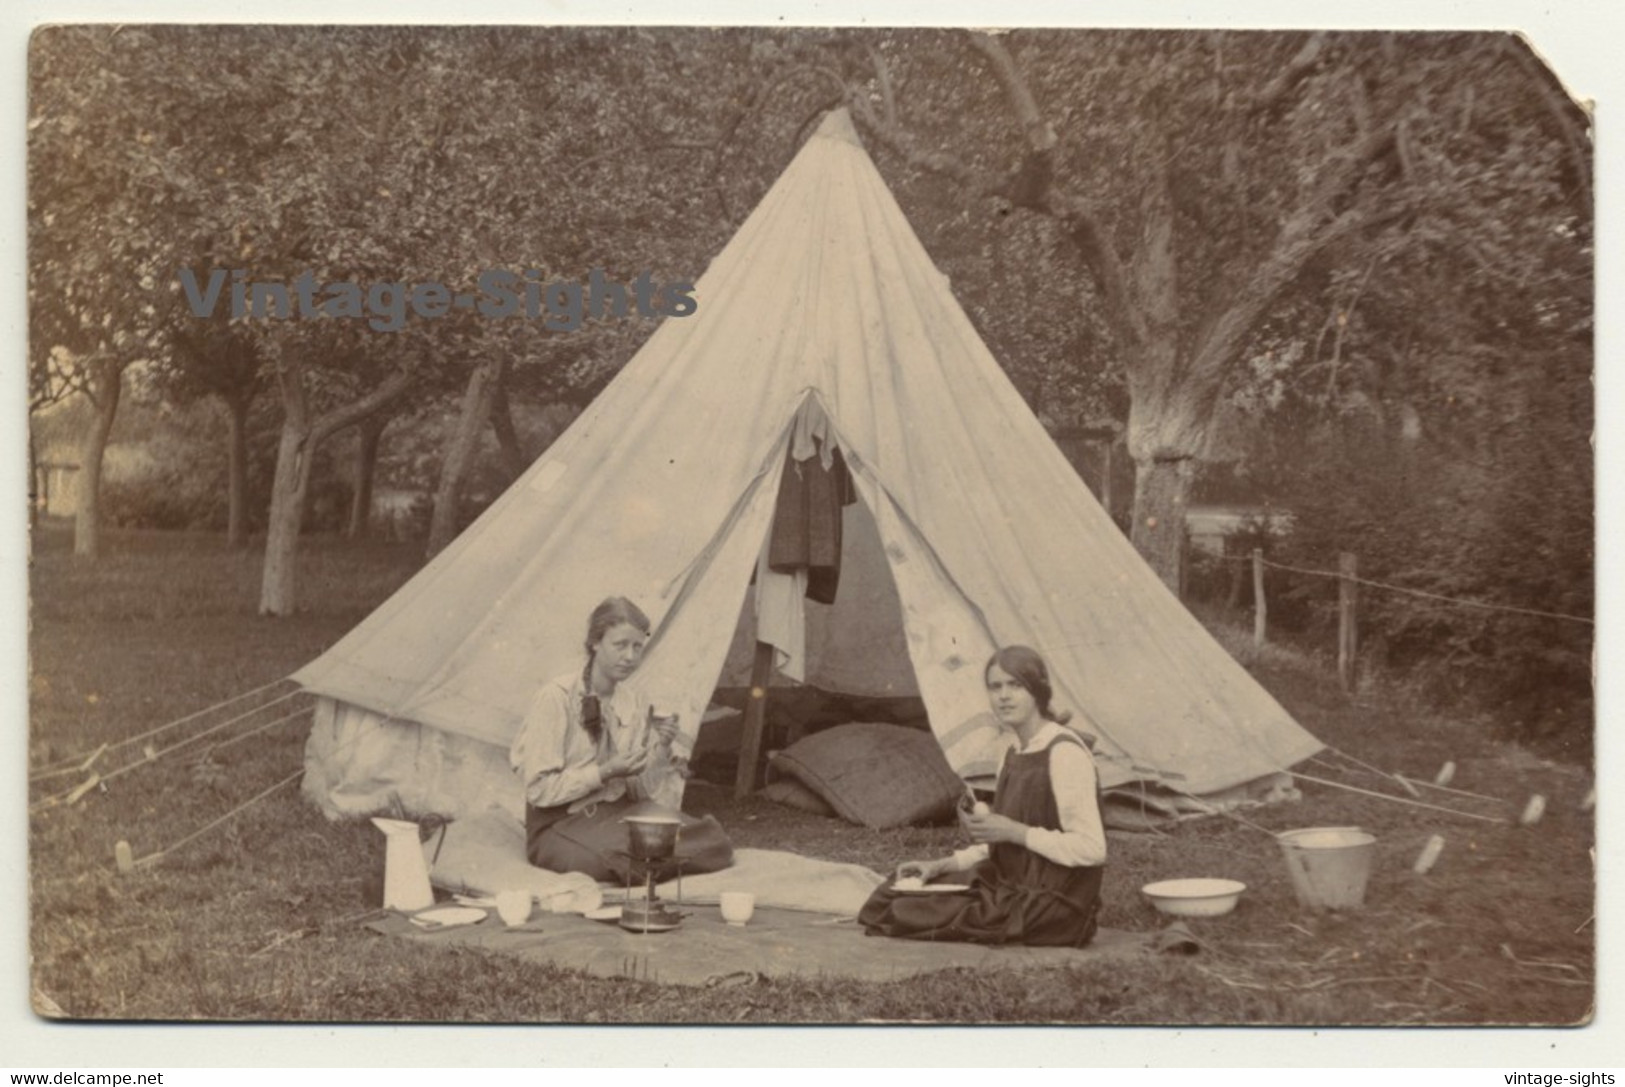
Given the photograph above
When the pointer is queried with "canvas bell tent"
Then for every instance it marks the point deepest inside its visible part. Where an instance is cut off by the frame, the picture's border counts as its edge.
(822, 327)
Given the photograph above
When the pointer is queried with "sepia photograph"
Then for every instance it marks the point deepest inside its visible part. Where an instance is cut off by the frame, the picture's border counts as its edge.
(809, 526)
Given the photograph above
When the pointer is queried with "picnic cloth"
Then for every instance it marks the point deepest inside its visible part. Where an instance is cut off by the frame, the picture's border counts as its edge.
(486, 854)
(778, 879)
(777, 943)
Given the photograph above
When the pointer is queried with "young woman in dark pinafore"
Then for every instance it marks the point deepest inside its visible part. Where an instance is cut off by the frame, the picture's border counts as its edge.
(1038, 855)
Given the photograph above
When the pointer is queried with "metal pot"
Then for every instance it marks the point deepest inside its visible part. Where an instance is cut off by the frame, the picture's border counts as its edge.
(651, 837)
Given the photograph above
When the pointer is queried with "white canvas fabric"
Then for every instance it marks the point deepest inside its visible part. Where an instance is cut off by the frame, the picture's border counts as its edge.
(663, 491)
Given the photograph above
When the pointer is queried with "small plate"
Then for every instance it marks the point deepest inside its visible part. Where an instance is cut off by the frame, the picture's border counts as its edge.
(607, 914)
(447, 916)
(934, 889)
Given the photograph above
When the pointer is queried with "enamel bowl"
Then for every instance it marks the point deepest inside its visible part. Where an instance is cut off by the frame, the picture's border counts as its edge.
(1194, 897)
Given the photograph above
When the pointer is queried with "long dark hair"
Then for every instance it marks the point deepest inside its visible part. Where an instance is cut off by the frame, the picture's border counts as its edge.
(605, 617)
(1027, 668)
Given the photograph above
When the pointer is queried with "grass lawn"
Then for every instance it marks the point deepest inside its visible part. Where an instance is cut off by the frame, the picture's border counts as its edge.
(258, 918)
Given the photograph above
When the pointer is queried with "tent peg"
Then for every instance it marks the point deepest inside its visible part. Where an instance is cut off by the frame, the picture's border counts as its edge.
(1429, 855)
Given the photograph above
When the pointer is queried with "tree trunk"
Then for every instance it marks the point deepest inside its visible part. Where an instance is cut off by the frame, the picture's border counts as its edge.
(477, 401)
(513, 453)
(295, 454)
(1161, 488)
(87, 525)
(369, 435)
(1167, 430)
(237, 473)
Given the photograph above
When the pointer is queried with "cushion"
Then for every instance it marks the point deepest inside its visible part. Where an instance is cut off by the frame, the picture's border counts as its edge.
(792, 794)
(876, 775)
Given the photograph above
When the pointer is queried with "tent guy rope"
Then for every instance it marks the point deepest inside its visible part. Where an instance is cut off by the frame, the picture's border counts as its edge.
(1414, 781)
(153, 858)
(70, 795)
(81, 763)
(294, 716)
(1397, 799)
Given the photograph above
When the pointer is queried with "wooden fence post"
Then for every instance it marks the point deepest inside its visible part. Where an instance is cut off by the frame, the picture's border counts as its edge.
(1260, 607)
(1346, 629)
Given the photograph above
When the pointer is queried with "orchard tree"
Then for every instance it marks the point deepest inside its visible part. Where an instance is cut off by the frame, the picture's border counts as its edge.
(219, 360)
(1428, 403)
(1196, 177)
(92, 245)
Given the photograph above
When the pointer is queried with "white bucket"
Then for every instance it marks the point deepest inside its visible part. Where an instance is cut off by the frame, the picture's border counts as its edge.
(1329, 866)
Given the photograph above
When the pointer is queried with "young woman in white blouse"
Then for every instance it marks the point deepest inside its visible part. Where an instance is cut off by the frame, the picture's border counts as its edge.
(1037, 857)
(589, 753)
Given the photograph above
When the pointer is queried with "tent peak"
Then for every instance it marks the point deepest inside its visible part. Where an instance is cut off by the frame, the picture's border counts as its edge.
(837, 124)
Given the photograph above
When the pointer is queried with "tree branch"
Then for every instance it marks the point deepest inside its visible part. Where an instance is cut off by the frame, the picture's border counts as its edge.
(290, 379)
(1030, 184)
(1039, 133)
(1312, 227)
(1560, 111)
(357, 410)
(1300, 242)
(888, 95)
(1287, 79)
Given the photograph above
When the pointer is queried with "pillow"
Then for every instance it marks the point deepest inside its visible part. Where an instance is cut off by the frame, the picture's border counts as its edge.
(878, 776)
(792, 794)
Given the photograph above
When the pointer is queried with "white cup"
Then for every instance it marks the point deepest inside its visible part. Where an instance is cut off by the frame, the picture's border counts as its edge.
(513, 907)
(737, 906)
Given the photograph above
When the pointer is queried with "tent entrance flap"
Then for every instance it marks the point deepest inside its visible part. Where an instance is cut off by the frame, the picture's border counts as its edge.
(899, 643)
(854, 646)
(823, 609)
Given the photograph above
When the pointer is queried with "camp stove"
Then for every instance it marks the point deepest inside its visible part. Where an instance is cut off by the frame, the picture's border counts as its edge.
(651, 846)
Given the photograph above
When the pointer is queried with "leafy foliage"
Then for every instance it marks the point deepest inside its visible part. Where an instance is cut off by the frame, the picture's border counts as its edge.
(1428, 406)
(1372, 252)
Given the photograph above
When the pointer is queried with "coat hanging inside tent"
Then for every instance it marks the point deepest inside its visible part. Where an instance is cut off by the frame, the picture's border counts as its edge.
(971, 531)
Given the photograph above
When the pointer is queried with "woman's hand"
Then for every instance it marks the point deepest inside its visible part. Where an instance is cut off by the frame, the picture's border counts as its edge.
(624, 764)
(665, 729)
(924, 871)
(992, 828)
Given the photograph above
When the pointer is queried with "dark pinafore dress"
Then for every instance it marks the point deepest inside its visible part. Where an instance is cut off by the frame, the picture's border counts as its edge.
(1014, 897)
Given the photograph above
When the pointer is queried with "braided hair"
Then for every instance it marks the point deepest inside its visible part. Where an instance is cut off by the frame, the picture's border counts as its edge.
(608, 615)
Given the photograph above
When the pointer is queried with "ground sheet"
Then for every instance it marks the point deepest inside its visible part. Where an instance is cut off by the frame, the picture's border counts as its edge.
(705, 951)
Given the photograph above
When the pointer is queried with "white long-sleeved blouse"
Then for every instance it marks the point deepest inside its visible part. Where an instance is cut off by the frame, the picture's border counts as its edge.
(558, 762)
(1081, 841)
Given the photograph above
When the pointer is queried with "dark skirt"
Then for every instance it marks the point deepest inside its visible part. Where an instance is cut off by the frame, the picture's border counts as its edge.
(594, 842)
(989, 910)
(1014, 897)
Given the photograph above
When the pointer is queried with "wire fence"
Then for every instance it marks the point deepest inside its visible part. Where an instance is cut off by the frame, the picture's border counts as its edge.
(1350, 586)
(1336, 575)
